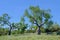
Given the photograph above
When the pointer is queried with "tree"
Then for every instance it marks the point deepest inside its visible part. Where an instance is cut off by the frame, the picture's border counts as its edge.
(21, 26)
(4, 20)
(38, 16)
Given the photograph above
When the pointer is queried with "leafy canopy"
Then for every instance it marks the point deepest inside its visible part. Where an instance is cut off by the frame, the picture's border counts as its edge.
(38, 16)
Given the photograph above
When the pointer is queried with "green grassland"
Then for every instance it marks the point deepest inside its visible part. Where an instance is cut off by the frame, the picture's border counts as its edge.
(30, 37)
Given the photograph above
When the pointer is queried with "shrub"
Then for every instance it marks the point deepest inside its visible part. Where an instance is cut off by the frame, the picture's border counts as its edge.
(3, 31)
(15, 32)
(58, 32)
(30, 31)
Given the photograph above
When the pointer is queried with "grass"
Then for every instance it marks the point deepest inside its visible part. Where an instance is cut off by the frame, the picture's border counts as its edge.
(30, 37)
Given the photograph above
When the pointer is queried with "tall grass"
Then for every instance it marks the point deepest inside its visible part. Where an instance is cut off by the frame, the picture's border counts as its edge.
(30, 37)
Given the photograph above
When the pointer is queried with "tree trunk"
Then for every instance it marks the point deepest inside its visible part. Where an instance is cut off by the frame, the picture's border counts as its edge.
(39, 31)
(10, 30)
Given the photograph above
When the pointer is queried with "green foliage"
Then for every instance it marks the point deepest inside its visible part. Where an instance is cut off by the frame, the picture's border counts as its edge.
(54, 28)
(33, 27)
(15, 32)
(30, 31)
(4, 19)
(39, 17)
(58, 32)
(3, 31)
(21, 26)
(42, 29)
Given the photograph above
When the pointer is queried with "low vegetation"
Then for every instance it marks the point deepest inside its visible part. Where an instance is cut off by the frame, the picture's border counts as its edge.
(30, 37)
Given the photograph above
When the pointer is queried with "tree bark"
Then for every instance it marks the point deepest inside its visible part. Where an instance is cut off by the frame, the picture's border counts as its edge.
(39, 31)
(10, 30)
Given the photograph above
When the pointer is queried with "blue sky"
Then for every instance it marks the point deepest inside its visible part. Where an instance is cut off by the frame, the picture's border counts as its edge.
(16, 8)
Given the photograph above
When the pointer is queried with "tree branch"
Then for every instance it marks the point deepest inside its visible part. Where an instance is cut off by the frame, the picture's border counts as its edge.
(41, 24)
(35, 21)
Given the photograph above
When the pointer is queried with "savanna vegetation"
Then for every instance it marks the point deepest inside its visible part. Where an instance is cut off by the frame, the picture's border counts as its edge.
(42, 26)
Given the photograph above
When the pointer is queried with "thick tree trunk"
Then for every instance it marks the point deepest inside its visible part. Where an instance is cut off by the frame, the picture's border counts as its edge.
(39, 31)
(10, 30)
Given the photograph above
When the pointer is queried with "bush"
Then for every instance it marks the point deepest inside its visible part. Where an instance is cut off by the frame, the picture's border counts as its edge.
(15, 32)
(48, 31)
(3, 31)
(30, 31)
(58, 32)
(42, 29)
